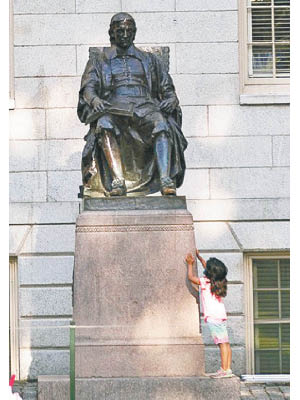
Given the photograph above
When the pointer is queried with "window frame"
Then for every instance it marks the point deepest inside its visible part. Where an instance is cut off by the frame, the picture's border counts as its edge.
(257, 90)
(11, 57)
(249, 315)
(14, 348)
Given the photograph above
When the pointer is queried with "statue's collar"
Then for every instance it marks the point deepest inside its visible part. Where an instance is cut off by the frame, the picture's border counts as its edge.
(131, 51)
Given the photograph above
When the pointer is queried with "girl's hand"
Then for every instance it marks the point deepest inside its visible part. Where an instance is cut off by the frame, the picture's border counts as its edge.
(201, 259)
(190, 259)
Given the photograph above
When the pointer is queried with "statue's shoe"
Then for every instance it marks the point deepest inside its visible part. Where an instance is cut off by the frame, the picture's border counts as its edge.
(166, 191)
(168, 187)
(118, 188)
(118, 192)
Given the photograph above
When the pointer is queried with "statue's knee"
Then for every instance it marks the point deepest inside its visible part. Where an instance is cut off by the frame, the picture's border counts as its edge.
(161, 128)
(105, 135)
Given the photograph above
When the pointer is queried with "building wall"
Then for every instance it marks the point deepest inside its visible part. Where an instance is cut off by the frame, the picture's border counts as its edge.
(237, 159)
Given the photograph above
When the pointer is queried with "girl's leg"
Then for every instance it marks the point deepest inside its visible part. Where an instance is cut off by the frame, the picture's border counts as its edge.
(229, 359)
(226, 355)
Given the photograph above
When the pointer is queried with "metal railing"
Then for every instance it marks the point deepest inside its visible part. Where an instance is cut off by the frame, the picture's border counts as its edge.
(72, 360)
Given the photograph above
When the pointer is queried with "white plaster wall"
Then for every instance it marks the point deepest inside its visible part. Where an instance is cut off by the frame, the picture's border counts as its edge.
(237, 160)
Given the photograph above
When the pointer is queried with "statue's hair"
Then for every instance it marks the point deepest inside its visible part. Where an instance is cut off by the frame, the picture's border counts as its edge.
(216, 272)
(116, 19)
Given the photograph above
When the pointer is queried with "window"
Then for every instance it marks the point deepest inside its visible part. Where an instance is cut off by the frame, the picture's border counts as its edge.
(264, 38)
(11, 58)
(269, 38)
(268, 315)
(13, 318)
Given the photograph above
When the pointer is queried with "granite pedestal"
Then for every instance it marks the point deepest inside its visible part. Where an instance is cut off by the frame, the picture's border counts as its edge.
(149, 388)
(135, 311)
(136, 314)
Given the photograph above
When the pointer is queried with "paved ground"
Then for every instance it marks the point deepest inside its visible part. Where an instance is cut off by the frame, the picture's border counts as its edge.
(259, 391)
(263, 391)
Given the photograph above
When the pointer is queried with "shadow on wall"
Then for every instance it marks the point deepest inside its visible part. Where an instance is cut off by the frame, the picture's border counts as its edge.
(46, 306)
(44, 341)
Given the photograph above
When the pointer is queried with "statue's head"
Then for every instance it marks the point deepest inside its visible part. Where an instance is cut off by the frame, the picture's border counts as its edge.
(122, 30)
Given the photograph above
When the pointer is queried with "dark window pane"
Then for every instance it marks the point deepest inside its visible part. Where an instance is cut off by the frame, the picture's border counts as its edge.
(281, 2)
(282, 24)
(285, 273)
(262, 61)
(285, 361)
(265, 274)
(266, 336)
(256, 3)
(285, 304)
(261, 25)
(267, 362)
(285, 335)
(266, 305)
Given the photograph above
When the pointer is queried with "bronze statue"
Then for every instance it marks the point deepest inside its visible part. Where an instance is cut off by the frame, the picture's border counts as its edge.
(135, 144)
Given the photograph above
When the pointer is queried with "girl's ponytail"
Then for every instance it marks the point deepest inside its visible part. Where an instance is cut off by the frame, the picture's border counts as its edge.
(219, 288)
(216, 272)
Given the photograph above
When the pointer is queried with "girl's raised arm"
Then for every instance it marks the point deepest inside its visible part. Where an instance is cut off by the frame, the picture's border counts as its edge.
(201, 259)
(190, 261)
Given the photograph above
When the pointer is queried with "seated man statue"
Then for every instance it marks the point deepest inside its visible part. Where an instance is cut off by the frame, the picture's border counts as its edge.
(135, 144)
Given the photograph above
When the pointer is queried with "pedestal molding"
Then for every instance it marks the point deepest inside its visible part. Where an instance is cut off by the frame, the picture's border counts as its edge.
(133, 228)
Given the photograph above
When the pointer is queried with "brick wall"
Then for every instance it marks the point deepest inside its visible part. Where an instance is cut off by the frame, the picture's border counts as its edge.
(237, 159)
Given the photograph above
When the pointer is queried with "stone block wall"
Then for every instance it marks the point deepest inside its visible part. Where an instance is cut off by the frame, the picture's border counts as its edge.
(236, 182)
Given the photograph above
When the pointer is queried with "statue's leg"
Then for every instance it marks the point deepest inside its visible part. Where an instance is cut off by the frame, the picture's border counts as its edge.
(163, 158)
(111, 150)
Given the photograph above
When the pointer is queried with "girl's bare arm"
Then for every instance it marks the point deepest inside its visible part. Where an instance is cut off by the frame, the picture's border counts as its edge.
(201, 259)
(190, 261)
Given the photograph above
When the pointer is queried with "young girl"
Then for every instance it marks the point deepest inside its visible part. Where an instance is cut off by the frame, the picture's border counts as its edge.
(213, 287)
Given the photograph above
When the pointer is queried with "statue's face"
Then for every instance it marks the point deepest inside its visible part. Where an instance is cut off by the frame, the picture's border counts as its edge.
(124, 34)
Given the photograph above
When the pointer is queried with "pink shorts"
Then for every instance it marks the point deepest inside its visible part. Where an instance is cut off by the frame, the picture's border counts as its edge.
(218, 330)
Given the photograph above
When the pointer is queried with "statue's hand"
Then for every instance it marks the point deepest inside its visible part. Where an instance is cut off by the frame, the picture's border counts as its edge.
(168, 105)
(99, 105)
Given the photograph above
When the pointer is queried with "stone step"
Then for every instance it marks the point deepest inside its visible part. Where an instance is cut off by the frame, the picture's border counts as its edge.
(112, 361)
(27, 390)
(145, 388)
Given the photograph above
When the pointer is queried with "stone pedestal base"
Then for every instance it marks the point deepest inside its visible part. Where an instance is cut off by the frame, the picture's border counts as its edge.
(137, 331)
(184, 388)
(135, 312)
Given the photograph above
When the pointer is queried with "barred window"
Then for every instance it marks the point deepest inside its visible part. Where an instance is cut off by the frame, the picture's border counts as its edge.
(268, 38)
(271, 315)
(264, 51)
